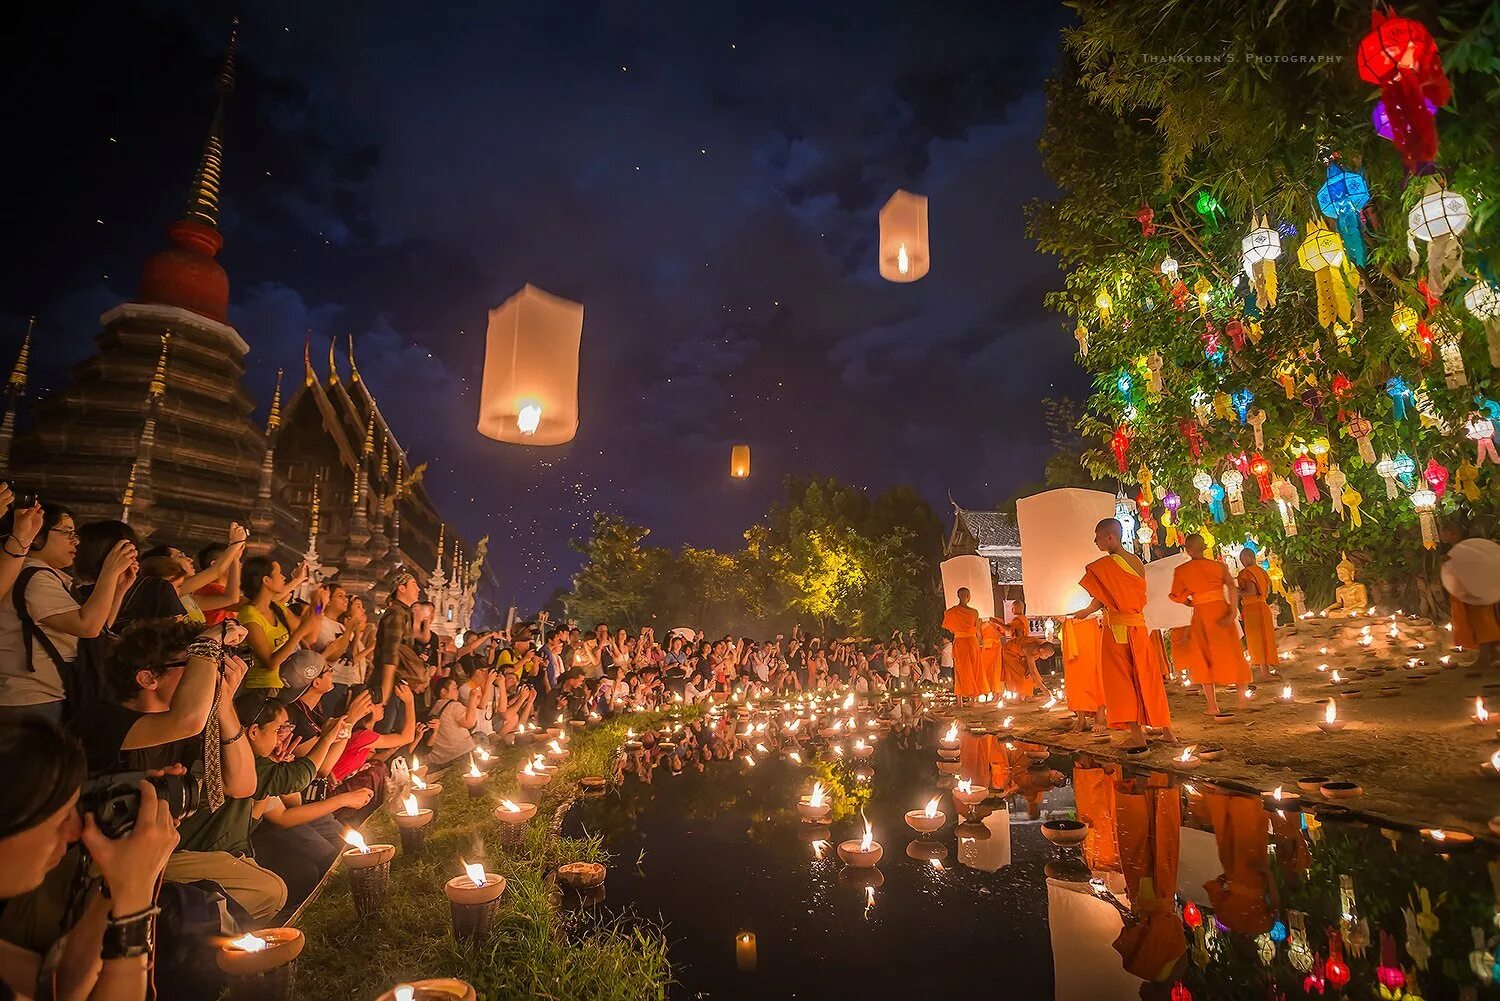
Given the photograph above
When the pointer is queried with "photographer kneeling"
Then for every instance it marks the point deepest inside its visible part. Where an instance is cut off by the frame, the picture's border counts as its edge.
(106, 952)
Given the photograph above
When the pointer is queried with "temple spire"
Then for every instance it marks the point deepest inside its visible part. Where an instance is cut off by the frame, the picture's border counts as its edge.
(273, 422)
(139, 495)
(333, 363)
(308, 375)
(203, 196)
(17, 384)
(14, 390)
(353, 368)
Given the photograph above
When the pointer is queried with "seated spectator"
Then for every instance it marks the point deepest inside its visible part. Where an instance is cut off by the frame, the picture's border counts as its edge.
(107, 953)
(274, 635)
(215, 587)
(455, 720)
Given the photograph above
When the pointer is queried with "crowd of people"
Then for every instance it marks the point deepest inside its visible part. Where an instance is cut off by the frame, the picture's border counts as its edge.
(188, 735)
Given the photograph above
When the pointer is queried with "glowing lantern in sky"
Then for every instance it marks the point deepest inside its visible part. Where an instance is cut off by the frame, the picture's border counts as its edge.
(739, 461)
(530, 390)
(904, 255)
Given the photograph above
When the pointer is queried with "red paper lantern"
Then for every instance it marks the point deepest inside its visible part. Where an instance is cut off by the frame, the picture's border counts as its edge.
(1261, 470)
(1194, 438)
(1180, 992)
(1436, 476)
(1389, 971)
(1400, 57)
(1336, 971)
(1191, 916)
(1119, 443)
(1305, 468)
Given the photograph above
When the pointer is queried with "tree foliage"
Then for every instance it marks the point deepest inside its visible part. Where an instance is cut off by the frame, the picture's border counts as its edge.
(1161, 103)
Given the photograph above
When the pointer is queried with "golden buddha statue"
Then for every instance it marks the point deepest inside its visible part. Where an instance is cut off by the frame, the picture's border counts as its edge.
(1353, 597)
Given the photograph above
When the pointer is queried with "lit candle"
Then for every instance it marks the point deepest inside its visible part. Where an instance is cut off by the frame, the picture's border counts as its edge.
(744, 951)
(863, 853)
(412, 823)
(1330, 723)
(474, 779)
(927, 819)
(1286, 693)
(434, 989)
(472, 899)
(261, 964)
(1481, 714)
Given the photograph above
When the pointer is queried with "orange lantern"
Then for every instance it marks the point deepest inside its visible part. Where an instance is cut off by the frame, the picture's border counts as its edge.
(903, 238)
(739, 461)
(530, 390)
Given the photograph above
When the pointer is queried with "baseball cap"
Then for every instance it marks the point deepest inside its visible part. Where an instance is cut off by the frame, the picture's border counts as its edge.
(298, 672)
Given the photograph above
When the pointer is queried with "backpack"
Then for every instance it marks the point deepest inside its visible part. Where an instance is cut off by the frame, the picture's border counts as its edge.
(82, 676)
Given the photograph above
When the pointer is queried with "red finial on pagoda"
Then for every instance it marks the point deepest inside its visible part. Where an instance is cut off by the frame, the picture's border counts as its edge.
(186, 274)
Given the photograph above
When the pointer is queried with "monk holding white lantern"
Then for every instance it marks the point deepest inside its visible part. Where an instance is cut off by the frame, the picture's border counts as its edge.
(530, 390)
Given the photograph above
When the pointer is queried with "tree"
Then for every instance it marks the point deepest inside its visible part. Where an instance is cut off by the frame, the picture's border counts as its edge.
(614, 583)
(1206, 116)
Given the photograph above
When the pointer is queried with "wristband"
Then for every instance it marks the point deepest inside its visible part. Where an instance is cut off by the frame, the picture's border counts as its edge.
(225, 742)
(205, 647)
(131, 936)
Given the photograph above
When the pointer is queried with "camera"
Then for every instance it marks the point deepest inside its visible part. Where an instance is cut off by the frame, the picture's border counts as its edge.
(22, 498)
(115, 799)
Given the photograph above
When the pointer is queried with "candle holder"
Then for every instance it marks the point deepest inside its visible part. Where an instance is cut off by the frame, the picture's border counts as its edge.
(436, 989)
(1312, 783)
(862, 750)
(970, 797)
(413, 829)
(592, 784)
(949, 767)
(532, 779)
(1280, 799)
(473, 901)
(513, 821)
(855, 855)
(262, 966)
(744, 952)
(581, 876)
(1447, 840)
(369, 878)
(813, 814)
(428, 794)
(925, 823)
(947, 753)
(926, 850)
(1065, 833)
(475, 784)
(1341, 790)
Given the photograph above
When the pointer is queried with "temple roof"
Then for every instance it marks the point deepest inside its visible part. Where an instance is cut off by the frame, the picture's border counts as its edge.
(990, 528)
(991, 534)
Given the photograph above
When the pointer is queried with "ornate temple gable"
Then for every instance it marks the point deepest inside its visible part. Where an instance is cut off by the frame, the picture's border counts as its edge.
(990, 534)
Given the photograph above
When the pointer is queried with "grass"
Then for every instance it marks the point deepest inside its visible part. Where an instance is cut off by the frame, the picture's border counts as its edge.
(535, 949)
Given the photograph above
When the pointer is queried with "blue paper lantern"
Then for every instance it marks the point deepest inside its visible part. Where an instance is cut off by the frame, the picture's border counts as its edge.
(1341, 198)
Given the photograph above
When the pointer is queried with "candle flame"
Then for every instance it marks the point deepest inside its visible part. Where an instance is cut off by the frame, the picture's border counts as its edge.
(952, 733)
(529, 419)
(528, 769)
(903, 261)
(1440, 835)
(474, 772)
(816, 799)
(538, 762)
(1495, 761)
(629, 733)
(508, 806)
(1187, 754)
(1331, 714)
(869, 836)
(930, 810)
(749, 761)
(405, 992)
(249, 942)
(965, 786)
(555, 747)
(838, 749)
(1276, 794)
(474, 871)
(760, 749)
(483, 754)
(936, 864)
(417, 783)
(1286, 692)
(411, 805)
(797, 758)
(415, 764)
(859, 745)
(1335, 675)
(356, 840)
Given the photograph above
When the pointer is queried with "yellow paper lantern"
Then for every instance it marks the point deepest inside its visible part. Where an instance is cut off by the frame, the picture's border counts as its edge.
(530, 391)
(904, 255)
(739, 461)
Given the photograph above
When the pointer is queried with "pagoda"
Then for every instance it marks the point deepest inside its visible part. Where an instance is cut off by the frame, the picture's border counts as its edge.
(154, 428)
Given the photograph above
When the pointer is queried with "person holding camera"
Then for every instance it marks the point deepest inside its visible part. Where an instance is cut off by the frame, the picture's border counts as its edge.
(106, 953)
(24, 525)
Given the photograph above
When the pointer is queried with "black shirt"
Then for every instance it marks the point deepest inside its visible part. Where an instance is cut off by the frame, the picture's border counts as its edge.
(102, 728)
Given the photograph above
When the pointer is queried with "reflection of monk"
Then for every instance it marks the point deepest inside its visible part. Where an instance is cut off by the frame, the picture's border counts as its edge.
(1199, 584)
(1255, 614)
(1094, 794)
(991, 634)
(1149, 814)
(1082, 677)
(1239, 894)
(1133, 692)
(963, 622)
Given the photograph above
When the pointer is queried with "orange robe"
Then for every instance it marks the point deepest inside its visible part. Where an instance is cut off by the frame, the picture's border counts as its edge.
(1255, 613)
(991, 634)
(1239, 894)
(1149, 814)
(1200, 584)
(1473, 625)
(1133, 689)
(1082, 677)
(963, 622)
(1186, 657)
(1094, 794)
(1013, 669)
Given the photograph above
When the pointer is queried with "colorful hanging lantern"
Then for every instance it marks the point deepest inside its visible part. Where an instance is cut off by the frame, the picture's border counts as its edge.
(1467, 478)
(1125, 514)
(1194, 438)
(1143, 477)
(1381, 119)
(529, 393)
(1223, 407)
(1352, 500)
(1236, 331)
(739, 461)
(1258, 253)
(1145, 215)
(1322, 253)
(1209, 208)
(1425, 501)
(1154, 364)
(1204, 290)
(1436, 475)
(1454, 374)
(1257, 420)
(904, 253)
(1439, 219)
(1081, 335)
(1213, 348)
(1342, 197)
(1216, 494)
(1335, 480)
(1335, 970)
(1386, 467)
(1119, 443)
(1361, 431)
(1234, 481)
(1341, 387)
(1401, 396)
(1318, 449)
(1124, 384)
(1406, 469)
(1389, 971)
(1104, 304)
(1201, 482)
(1261, 470)
(1409, 324)
(1481, 431)
(1169, 268)
(1191, 916)
(1288, 517)
(1180, 992)
(1483, 300)
(1430, 415)
(1400, 57)
(1306, 468)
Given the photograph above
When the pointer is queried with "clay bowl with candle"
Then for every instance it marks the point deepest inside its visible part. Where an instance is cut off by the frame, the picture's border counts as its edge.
(949, 767)
(1065, 833)
(533, 779)
(813, 814)
(378, 855)
(475, 784)
(464, 890)
(862, 751)
(1349, 693)
(427, 796)
(1446, 840)
(1286, 801)
(918, 821)
(558, 756)
(434, 989)
(1038, 753)
(260, 952)
(1312, 783)
(413, 828)
(856, 857)
(973, 797)
(593, 783)
(1341, 790)
(556, 733)
(581, 875)
(973, 830)
(520, 815)
(1210, 752)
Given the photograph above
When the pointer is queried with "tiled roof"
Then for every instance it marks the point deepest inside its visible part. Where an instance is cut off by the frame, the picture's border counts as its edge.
(991, 528)
(1006, 569)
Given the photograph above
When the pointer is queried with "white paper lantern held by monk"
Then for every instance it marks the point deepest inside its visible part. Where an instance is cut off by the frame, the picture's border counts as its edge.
(904, 254)
(1057, 542)
(739, 461)
(972, 572)
(530, 391)
(1472, 571)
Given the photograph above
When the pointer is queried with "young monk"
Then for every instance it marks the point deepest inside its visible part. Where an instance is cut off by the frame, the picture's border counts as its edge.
(962, 621)
(991, 637)
(1134, 695)
(1255, 615)
(1016, 658)
(1200, 584)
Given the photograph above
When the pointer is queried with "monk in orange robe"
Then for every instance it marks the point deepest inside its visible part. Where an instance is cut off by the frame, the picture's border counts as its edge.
(991, 644)
(1240, 893)
(1255, 614)
(1187, 659)
(1199, 583)
(1016, 668)
(1134, 695)
(1083, 680)
(1149, 813)
(963, 622)
(1474, 626)
(1094, 796)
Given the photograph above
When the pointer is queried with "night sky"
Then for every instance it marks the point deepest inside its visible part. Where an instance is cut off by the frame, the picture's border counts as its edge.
(704, 177)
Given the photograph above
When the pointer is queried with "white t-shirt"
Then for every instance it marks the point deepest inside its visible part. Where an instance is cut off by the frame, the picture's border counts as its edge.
(453, 740)
(947, 657)
(46, 595)
(484, 710)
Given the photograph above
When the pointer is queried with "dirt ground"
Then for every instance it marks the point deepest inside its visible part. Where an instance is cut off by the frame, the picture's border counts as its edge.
(1416, 751)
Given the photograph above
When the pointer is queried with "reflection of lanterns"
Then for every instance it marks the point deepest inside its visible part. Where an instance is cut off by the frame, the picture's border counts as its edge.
(739, 461)
(904, 254)
(530, 391)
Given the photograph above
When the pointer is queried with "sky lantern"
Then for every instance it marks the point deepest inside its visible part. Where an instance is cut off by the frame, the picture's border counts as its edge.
(530, 390)
(904, 255)
(739, 461)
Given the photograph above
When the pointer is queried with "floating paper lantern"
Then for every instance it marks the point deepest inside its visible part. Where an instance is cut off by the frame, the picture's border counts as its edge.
(739, 461)
(904, 255)
(530, 391)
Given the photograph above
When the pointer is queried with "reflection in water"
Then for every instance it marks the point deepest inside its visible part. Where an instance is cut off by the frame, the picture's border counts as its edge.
(1178, 889)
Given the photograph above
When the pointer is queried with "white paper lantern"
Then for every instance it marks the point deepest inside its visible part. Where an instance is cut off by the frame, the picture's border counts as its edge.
(1084, 927)
(1441, 212)
(1261, 244)
(1483, 300)
(1472, 571)
(972, 572)
(1057, 542)
(1169, 268)
(739, 461)
(904, 254)
(529, 395)
(1161, 611)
